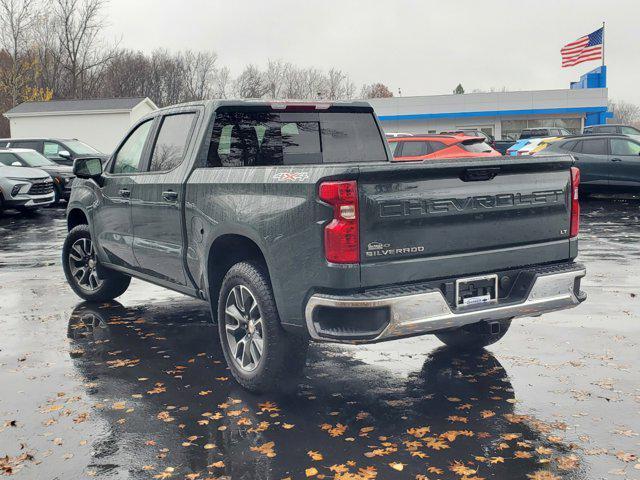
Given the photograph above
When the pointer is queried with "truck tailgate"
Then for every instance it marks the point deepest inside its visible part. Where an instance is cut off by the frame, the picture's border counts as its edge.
(440, 219)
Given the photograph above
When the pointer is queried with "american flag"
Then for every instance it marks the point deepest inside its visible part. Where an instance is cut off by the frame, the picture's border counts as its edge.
(584, 49)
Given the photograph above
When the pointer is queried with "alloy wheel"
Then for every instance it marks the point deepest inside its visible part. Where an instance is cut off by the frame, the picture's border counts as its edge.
(83, 265)
(244, 328)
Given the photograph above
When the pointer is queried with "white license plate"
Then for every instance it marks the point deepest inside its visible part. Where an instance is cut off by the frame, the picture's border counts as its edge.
(476, 290)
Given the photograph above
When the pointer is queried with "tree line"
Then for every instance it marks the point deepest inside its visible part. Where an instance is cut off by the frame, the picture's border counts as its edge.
(57, 50)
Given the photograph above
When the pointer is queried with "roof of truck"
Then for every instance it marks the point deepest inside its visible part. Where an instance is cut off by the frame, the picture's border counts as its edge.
(277, 104)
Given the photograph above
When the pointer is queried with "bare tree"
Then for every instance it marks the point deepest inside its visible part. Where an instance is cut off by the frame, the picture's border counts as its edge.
(250, 83)
(199, 73)
(17, 18)
(79, 24)
(376, 90)
(625, 112)
(221, 81)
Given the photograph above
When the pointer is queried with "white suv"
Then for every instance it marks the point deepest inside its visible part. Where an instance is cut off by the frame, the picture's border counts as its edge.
(24, 188)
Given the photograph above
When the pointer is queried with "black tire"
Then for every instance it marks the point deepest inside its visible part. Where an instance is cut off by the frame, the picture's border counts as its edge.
(1, 203)
(112, 284)
(473, 336)
(283, 354)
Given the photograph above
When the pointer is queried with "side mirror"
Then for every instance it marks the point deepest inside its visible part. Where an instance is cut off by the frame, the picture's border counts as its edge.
(64, 154)
(16, 164)
(89, 167)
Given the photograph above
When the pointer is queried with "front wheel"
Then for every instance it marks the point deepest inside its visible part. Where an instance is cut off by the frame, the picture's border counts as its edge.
(476, 335)
(262, 356)
(87, 278)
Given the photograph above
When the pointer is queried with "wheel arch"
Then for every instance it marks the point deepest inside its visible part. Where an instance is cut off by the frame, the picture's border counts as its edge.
(224, 252)
(76, 216)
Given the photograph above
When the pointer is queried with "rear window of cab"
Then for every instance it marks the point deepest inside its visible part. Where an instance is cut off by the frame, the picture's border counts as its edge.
(263, 138)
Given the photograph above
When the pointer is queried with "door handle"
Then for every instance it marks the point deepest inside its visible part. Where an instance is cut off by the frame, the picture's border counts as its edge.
(170, 196)
(616, 159)
(125, 192)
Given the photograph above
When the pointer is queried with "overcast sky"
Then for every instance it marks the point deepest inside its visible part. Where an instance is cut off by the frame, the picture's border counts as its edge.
(422, 47)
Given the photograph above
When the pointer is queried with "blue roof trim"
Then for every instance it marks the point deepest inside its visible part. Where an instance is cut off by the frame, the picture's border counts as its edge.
(494, 113)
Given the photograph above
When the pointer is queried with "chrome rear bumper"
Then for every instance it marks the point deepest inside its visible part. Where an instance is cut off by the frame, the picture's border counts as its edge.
(429, 312)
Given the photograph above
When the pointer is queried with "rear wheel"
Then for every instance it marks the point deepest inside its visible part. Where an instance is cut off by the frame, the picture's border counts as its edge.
(87, 278)
(262, 356)
(476, 335)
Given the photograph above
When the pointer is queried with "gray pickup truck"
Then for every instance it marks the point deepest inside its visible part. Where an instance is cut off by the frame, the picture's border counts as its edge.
(291, 221)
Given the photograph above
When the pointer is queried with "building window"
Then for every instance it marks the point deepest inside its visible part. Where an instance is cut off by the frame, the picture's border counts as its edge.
(511, 128)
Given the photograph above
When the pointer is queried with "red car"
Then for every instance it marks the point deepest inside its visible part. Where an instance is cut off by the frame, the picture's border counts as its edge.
(427, 147)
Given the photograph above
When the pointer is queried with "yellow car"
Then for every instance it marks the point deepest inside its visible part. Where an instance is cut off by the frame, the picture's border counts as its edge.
(544, 143)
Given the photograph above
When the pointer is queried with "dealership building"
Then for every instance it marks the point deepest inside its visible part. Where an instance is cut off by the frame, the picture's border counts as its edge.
(501, 114)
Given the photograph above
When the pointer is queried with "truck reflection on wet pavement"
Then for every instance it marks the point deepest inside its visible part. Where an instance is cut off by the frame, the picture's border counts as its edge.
(139, 389)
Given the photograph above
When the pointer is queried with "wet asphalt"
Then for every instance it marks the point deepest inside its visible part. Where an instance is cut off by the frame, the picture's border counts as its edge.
(138, 389)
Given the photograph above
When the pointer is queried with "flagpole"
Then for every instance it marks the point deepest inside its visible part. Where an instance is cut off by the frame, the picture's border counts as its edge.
(603, 44)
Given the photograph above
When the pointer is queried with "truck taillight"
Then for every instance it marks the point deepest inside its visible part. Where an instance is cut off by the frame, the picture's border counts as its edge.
(341, 235)
(575, 203)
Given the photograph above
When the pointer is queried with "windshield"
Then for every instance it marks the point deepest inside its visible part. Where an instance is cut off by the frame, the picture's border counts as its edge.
(34, 159)
(80, 148)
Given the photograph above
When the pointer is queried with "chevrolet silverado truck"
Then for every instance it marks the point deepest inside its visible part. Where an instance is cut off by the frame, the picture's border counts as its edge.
(292, 222)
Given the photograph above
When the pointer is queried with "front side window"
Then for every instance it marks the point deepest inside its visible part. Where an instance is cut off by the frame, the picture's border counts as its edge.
(594, 147)
(129, 156)
(629, 131)
(51, 149)
(262, 138)
(172, 141)
(620, 146)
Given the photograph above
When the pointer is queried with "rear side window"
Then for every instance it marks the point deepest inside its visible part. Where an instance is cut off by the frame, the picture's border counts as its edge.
(9, 158)
(435, 146)
(262, 138)
(29, 144)
(172, 141)
(571, 146)
(605, 129)
(594, 147)
(476, 147)
(413, 149)
(393, 146)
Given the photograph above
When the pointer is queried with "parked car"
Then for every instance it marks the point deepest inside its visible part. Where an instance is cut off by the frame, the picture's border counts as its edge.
(613, 129)
(58, 150)
(398, 134)
(543, 132)
(427, 147)
(24, 189)
(515, 148)
(298, 227)
(544, 143)
(606, 162)
(473, 132)
(61, 175)
(503, 145)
